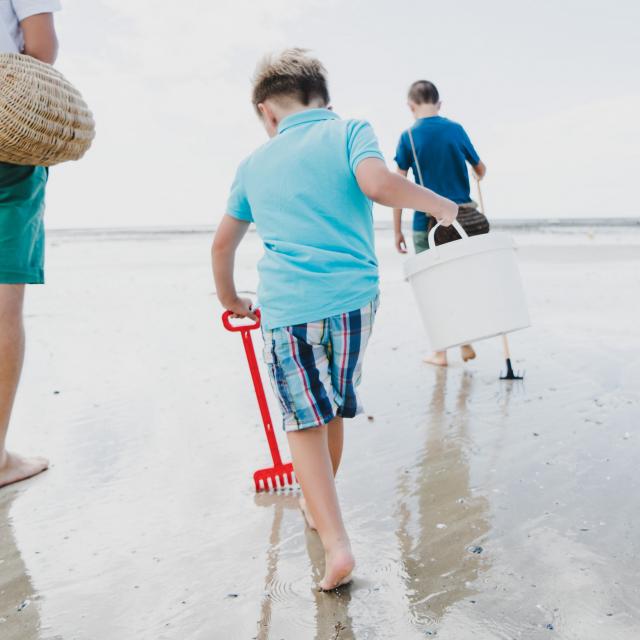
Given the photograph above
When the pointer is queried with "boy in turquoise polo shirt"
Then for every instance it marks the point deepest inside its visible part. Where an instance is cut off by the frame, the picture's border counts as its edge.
(309, 191)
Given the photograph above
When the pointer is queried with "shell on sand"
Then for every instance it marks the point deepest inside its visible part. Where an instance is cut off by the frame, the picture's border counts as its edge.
(43, 118)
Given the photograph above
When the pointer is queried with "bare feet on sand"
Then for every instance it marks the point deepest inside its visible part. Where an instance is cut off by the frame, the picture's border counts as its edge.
(339, 564)
(438, 358)
(14, 468)
(467, 352)
(305, 512)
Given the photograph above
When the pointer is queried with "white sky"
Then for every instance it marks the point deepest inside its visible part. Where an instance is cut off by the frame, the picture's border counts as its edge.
(548, 91)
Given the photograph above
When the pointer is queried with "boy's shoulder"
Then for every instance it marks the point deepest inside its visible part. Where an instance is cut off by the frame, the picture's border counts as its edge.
(354, 131)
(253, 156)
(445, 123)
(260, 149)
(444, 128)
(353, 124)
(349, 127)
(355, 127)
(453, 125)
(428, 124)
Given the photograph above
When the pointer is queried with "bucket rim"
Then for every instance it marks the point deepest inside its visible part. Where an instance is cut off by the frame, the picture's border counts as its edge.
(457, 249)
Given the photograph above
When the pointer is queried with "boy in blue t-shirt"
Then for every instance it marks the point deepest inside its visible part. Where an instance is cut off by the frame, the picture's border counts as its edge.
(309, 191)
(443, 149)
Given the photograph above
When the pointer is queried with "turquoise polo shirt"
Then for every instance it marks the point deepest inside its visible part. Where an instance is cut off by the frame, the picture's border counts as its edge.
(315, 223)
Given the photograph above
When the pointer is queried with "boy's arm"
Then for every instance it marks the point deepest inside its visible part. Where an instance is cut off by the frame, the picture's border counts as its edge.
(480, 170)
(223, 251)
(471, 155)
(40, 40)
(401, 244)
(392, 190)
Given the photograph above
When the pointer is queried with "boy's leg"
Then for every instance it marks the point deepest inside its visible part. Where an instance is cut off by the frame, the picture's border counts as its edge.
(438, 358)
(12, 467)
(314, 470)
(467, 352)
(298, 360)
(350, 334)
(420, 241)
(420, 244)
(335, 440)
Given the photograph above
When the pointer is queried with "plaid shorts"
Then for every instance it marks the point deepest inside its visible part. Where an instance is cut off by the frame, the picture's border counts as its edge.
(315, 367)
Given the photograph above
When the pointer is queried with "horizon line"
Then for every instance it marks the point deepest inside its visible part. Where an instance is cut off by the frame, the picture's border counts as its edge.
(522, 224)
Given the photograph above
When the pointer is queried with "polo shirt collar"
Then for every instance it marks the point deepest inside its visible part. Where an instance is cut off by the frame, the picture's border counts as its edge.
(306, 116)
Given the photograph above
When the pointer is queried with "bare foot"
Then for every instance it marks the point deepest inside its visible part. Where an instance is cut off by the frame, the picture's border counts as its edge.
(467, 352)
(438, 358)
(307, 516)
(14, 468)
(339, 564)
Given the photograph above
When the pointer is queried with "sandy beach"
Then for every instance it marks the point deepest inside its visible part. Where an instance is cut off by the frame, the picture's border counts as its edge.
(477, 508)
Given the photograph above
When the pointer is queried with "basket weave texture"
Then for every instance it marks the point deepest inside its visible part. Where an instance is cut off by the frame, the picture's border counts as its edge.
(43, 118)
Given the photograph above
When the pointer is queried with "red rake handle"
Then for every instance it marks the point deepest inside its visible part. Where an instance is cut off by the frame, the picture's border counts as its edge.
(229, 326)
(245, 332)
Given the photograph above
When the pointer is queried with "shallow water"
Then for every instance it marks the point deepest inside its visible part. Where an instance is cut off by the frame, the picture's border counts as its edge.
(477, 509)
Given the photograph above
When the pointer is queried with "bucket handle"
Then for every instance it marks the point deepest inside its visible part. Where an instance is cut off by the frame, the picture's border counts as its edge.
(456, 225)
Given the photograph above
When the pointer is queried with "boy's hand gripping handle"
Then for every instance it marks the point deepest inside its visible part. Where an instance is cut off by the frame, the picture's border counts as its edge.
(245, 332)
(229, 326)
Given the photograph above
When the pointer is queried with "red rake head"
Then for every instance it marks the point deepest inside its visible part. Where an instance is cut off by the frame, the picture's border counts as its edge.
(275, 478)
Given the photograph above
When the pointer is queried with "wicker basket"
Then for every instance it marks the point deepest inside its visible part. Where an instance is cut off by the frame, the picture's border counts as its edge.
(43, 119)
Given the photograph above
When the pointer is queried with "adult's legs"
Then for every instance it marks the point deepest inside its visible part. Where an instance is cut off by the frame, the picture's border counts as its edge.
(315, 472)
(13, 467)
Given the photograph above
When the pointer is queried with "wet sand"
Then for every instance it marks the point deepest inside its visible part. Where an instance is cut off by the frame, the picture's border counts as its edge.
(477, 509)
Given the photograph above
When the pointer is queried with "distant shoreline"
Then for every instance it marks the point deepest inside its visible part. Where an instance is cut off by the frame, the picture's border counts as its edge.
(569, 225)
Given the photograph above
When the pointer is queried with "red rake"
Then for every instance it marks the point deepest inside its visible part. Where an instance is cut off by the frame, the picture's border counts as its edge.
(280, 475)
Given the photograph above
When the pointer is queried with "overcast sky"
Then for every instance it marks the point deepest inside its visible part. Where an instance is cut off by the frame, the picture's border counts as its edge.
(548, 91)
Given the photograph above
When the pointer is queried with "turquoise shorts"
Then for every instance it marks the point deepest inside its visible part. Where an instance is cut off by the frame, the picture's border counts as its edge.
(315, 367)
(22, 191)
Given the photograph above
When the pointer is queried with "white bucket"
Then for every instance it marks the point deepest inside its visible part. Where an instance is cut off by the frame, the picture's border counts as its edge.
(468, 289)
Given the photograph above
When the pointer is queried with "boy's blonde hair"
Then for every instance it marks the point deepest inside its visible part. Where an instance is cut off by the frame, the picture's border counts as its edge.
(290, 74)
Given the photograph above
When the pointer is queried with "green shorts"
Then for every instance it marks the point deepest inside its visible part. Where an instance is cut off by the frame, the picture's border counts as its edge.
(22, 192)
(420, 241)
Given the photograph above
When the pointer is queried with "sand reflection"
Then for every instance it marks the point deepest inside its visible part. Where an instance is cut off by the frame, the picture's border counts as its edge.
(278, 503)
(19, 616)
(441, 521)
(331, 609)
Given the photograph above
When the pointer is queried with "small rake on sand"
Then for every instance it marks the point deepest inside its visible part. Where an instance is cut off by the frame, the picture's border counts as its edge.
(510, 374)
(279, 476)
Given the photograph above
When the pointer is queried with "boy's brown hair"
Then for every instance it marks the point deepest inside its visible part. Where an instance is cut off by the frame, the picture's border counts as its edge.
(290, 74)
(423, 92)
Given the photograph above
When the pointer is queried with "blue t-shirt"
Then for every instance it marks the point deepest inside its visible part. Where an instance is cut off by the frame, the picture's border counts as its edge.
(314, 221)
(442, 147)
